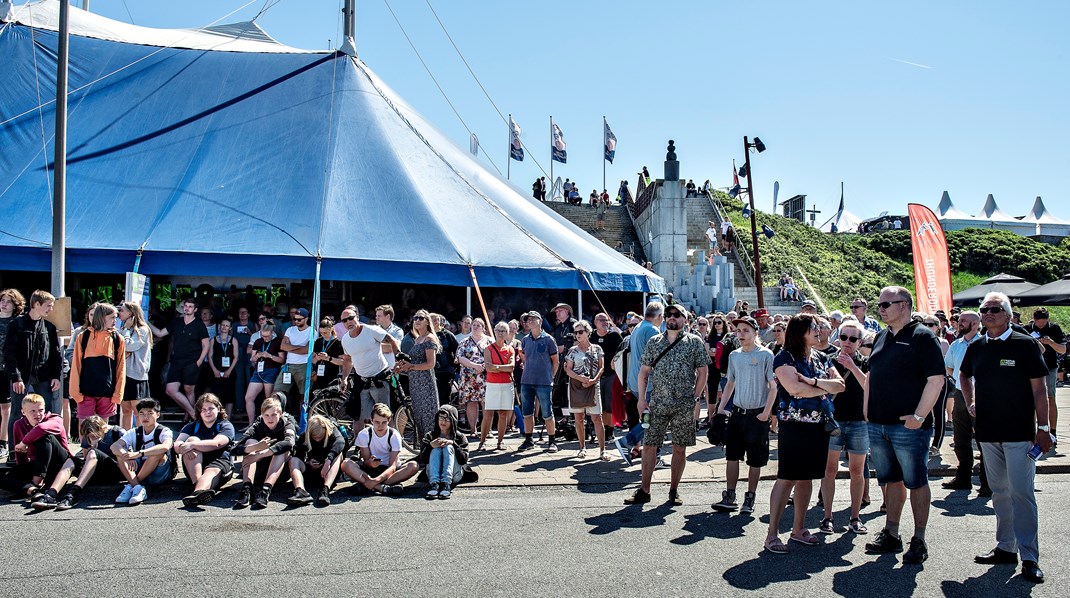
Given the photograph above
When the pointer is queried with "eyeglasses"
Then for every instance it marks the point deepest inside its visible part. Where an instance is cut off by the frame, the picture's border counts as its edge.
(933, 324)
(887, 304)
(262, 318)
(349, 319)
(579, 331)
(867, 346)
(858, 307)
(844, 337)
(991, 310)
(418, 318)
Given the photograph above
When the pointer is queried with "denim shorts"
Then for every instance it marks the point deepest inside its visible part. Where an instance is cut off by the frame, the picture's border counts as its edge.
(163, 473)
(900, 454)
(268, 376)
(527, 400)
(1053, 378)
(854, 436)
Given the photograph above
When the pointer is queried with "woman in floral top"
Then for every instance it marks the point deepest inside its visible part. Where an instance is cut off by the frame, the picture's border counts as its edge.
(473, 371)
(584, 365)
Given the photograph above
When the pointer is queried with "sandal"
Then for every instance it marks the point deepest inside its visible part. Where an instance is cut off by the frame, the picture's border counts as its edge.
(775, 546)
(807, 539)
(865, 503)
(582, 454)
(500, 447)
(884, 508)
(482, 447)
(857, 527)
(603, 455)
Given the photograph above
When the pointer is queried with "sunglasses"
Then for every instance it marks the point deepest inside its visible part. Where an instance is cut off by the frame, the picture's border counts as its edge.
(868, 346)
(991, 310)
(857, 306)
(418, 318)
(853, 339)
(674, 315)
(887, 304)
(298, 319)
(349, 319)
(579, 331)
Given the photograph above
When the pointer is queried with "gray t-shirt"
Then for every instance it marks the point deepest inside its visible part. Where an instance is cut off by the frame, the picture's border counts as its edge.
(752, 372)
(538, 369)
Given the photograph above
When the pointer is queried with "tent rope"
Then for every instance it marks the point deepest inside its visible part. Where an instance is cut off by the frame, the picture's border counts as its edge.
(40, 111)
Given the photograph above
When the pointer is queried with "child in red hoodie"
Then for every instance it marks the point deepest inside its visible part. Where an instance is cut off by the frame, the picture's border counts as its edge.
(40, 449)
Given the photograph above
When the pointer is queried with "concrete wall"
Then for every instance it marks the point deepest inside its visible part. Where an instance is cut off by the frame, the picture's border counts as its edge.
(662, 229)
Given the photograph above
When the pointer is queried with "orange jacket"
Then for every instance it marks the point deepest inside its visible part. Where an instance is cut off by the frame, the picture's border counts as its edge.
(92, 370)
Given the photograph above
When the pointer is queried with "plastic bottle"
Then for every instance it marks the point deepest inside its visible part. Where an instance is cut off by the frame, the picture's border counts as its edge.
(646, 419)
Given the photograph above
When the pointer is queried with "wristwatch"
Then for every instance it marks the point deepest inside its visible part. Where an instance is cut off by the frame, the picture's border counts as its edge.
(918, 418)
(1044, 428)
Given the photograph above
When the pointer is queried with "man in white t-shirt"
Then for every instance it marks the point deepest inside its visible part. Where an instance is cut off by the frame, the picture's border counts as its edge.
(363, 345)
(292, 378)
(379, 447)
(711, 234)
(144, 454)
(384, 318)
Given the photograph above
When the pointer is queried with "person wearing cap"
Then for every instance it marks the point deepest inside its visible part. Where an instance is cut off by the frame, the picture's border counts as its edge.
(1051, 339)
(676, 364)
(648, 328)
(808, 307)
(765, 327)
(295, 342)
(565, 337)
(751, 392)
(540, 358)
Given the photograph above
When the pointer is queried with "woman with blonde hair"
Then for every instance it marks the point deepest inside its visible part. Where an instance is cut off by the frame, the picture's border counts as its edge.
(421, 370)
(474, 372)
(138, 338)
(319, 454)
(500, 359)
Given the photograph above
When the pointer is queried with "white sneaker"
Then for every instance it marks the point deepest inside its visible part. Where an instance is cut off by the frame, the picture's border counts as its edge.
(139, 495)
(124, 496)
(661, 463)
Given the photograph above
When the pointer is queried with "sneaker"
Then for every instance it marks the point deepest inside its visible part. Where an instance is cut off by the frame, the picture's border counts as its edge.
(445, 493)
(66, 501)
(245, 496)
(625, 452)
(432, 494)
(885, 542)
(3, 452)
(198, 498)
(827, 527)
(674, 498)
(551, 447)
(748, 503)
(301, 497)
(641, 496)
(323, 498)
(139, 496)
(527, 445)
(394, 490)
(728, 502)
(262, 495)
(45, 501)
(661, 463)
(124, 496)
(917, 553)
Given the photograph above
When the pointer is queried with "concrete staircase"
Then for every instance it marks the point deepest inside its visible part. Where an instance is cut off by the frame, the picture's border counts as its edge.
(699, 215)
(772, 300)
(618, 226)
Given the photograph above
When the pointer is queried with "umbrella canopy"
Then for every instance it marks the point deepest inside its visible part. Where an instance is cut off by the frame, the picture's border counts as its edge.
(1053, 293)
(1010, 285)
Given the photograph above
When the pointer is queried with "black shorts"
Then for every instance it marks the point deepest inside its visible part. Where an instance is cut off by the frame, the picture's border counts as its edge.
(107, 471)
(5, 388)
(372, 471)
(135, 390)
(183, 373)
(748, 437)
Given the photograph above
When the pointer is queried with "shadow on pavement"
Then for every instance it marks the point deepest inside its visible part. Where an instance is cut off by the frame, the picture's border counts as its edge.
(1000, 580)
(882, 571)
(631, 516)
(801, 563)
(960, 503)
(715, 525)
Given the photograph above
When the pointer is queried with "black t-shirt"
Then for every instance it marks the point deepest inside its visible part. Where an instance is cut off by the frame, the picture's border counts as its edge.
(186, 339)
(610, 344)
(1003, 393)
(274, 347)
(830, 351)
(1052, 331)
(330, 371)
(564, 335)
(899, 369)
(221, 426)
(848, 404)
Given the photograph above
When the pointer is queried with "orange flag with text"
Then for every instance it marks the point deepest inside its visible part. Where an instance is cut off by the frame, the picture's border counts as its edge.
(932, 265)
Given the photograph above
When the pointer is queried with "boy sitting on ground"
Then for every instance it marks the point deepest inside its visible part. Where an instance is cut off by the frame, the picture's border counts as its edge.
(40, 449)
(379, 448)
(144, 454)
(90, 462)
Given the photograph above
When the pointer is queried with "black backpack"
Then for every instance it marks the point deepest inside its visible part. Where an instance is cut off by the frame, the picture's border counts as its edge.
(84, 338)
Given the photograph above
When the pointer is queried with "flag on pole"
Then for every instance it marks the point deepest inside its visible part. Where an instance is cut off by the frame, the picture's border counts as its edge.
(557, 147)
(516, 151)
(735, 173)
(611, 142)
(474, 145)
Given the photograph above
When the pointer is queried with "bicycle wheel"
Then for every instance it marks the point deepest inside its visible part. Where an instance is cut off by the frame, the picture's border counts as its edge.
(332, 407)
(405, 422)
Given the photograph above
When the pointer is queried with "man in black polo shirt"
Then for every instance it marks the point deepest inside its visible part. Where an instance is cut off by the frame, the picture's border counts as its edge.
(906, 378)
(1002, 379)
(1050, 336)
(189, 348)
(610, 340)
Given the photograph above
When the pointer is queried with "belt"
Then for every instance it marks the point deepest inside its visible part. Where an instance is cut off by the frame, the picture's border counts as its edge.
(755, 411)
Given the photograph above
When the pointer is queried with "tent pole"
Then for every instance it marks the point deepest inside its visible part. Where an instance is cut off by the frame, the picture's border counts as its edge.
(479, 295)
(579, 304)
(552, 150)
(468, 300)
(59, 194)
(349, 22)
(509, 149)
(314, 323)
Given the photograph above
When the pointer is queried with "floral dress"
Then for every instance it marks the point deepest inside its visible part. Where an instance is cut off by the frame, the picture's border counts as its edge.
(422, 388)
(473, 384)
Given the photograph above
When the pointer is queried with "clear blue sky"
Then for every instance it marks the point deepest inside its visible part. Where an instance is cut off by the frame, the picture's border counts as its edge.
(900, 101)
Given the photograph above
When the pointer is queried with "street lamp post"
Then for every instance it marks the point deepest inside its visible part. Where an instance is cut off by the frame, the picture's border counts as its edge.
(758, 145)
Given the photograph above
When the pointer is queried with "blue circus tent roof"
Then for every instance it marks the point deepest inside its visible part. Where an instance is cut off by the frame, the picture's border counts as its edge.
(222, 152)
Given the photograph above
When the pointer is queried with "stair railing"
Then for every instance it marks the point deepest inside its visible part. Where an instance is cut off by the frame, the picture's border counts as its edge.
(742, 257)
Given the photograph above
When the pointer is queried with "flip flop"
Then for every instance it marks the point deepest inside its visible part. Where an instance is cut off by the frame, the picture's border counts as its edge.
(604, 456)
(807, 539)
(775, 546)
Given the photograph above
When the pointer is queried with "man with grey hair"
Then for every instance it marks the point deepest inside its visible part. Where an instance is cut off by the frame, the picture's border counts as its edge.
(906, 379)
(968, 326)
(1003, 377)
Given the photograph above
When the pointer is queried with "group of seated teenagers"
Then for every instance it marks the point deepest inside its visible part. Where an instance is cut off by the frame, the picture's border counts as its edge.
(50, 476)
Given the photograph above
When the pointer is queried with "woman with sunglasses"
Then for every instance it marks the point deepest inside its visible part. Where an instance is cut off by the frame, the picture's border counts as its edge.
(584, 365)
(267, 358)
(421, 370)
(854, 434)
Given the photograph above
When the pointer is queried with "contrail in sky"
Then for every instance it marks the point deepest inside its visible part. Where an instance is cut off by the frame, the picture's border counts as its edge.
(923, 66)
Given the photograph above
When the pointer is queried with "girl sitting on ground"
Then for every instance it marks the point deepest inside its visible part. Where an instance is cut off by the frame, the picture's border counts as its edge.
(270, 437)
(444, 451)
(319, 455)
(203, 447)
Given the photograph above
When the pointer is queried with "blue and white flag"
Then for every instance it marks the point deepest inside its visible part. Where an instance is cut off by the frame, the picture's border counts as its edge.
(516, 151)
(611, 142)
(557, 146)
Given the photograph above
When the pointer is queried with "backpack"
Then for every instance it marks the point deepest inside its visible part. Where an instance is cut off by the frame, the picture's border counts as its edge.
(84, 339)
(157, 434)
(371, 434)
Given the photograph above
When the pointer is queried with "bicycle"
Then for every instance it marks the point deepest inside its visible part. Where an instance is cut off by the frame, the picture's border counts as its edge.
(331, 402)
(404, 420)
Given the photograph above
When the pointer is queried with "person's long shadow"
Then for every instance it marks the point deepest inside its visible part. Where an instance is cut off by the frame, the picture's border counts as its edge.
(861, 579)
(700, 526)
(960, 504)
(631, 516)
(1000, 580)
(802, 563)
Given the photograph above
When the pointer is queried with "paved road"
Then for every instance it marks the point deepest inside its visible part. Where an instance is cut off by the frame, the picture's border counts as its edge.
(574, 540)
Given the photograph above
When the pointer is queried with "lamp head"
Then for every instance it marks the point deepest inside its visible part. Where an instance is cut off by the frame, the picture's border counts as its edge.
(743, 170)
(733, 192)
(758, 145)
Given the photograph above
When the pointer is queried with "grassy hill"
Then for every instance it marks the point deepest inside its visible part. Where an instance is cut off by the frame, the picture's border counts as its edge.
(841, 267)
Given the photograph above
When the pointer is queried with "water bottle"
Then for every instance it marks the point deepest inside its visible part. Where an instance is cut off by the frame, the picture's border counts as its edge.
(1035, 452)
(646, 419)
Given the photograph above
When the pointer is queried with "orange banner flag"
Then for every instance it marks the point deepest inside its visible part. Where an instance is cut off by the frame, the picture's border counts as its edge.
(932, 265)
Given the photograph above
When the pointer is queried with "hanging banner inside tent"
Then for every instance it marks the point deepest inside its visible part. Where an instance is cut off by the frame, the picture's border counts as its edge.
(138, 290)
(932, 265)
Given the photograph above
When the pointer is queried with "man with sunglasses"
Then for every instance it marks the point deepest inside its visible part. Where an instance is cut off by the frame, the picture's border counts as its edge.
(1003, 385)
(295, 342)
(906, 379)
(969, 325)
(363, 345)
(858, 310)
(1053, 345)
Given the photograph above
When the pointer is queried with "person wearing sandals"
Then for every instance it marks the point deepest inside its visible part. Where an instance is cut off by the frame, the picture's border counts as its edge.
(804, 377)
(584, 365)
(854, 434)
(270, 437)
(470, 356)
(203, 447)
(443, 452)
(500, 359)
(318, 455)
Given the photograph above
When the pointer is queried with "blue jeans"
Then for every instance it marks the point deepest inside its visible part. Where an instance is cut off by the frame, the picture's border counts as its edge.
(442, 468)
(527, 400)
(900, 454)
(854, 436)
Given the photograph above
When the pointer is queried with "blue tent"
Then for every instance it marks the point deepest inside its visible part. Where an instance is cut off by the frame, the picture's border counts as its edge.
(219, 151)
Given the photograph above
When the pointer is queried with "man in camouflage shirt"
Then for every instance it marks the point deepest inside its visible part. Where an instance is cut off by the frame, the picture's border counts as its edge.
(678, 376)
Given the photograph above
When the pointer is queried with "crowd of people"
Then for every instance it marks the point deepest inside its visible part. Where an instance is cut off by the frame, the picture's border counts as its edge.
(823, 384)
